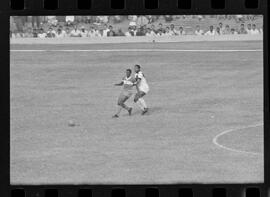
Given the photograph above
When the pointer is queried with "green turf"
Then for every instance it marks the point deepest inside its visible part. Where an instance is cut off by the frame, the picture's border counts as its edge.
(193, 97)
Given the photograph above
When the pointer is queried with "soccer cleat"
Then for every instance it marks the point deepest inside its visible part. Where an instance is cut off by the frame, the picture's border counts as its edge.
(129, 111)
(144, 111)
(115, 116)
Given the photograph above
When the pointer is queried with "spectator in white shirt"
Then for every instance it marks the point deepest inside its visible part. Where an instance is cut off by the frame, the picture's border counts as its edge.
(51, 33)
(160, 29)
(249, 29)
(198, 30)
(173, 31)
(42, 33)
(168, 32)
(211, 31)
(134, 29)
(84, 32)
(105, 30)
(221, 27)
(254, 30)
(75, 32)
(60, 33)
(233, 32)
(218, 31)
(98, 33)
(160, 32)
(149, 32)
(92, 32)
(242, 29)
(129, 33)
(181, 31)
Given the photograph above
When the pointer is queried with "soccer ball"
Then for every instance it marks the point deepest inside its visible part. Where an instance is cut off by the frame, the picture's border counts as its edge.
(71, 123)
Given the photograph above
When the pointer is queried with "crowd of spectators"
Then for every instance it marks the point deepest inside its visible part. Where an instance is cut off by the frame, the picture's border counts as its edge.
(137, 26)
(226, 30)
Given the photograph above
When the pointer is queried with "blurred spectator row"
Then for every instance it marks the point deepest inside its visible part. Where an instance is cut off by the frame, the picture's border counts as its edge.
(150, 25)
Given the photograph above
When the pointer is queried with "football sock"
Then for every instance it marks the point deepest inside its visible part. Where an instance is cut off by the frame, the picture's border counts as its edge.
(119, 110)
(125, 107)
(141, 100)
(140, 105)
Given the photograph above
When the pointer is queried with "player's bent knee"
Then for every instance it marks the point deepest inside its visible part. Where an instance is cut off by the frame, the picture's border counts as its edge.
(121, 102)
(136, 98)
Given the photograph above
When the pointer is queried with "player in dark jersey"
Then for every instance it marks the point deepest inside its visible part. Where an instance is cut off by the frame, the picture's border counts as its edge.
(127, 83)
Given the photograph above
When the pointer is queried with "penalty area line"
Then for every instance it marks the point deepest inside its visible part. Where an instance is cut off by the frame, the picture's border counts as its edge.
(215, 139)
(136, 50)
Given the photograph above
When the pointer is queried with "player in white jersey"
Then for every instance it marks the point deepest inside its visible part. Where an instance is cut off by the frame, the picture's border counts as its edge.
(127, 83)
(142, 89)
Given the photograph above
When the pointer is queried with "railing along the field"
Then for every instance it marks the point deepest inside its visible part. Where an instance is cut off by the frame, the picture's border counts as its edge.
(138, 39)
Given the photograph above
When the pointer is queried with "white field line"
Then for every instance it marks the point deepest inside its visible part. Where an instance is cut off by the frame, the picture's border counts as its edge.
(136, 50)
(215, 139)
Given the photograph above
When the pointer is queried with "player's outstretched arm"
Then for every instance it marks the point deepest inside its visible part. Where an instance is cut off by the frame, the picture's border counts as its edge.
(119, 84)
(136, 82)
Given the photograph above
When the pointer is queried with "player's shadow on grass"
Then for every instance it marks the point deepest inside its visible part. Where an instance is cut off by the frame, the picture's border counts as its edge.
(152, 110)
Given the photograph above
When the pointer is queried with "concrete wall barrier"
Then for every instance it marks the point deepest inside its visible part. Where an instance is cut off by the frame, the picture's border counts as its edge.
(138, 39)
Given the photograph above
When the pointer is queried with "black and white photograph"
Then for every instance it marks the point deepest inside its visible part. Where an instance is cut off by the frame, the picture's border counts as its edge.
(136, 99)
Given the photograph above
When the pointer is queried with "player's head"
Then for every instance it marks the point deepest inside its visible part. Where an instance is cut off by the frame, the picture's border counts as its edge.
(137, 68)
(128, 72)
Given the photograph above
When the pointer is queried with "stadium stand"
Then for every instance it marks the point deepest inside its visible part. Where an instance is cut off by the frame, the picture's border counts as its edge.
(110, 26)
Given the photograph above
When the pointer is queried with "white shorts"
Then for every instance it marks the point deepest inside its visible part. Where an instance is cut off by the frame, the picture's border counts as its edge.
(144, 89)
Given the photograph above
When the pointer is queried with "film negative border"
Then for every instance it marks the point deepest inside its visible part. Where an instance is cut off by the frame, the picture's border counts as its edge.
(43, 7)
(107, 7)
(145, 191)
(121, 4)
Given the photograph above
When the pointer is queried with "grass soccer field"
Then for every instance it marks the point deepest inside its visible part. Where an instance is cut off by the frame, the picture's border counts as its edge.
(205, 120)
